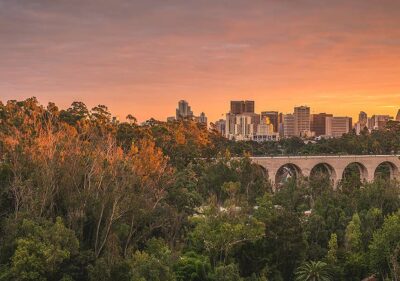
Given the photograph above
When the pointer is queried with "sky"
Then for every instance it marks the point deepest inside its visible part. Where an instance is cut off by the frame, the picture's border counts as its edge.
(143, 56)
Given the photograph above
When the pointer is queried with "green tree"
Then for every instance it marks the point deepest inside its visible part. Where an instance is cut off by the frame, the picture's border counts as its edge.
(313, 271)
(285, 241)
(146, 267)
(353, 237)
(218, 232)
(332, 249)
(41, 250)
(384, 248)
(356, 266)
(228, 272)
(193, 267)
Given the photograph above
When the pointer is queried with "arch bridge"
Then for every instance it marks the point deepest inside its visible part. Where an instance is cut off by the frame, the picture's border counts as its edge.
(335, 166)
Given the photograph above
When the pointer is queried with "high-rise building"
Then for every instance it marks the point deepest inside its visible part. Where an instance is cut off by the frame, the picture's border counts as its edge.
(236, 107)
(363, 119)
(289, 125)
(220, 126)
(249, 106)
(273, 117)
(239, 107)
(202, 118)
(318, 123)
(378, 122)
(265, 131)
(338, 126)
(230, 121)
(302, 120)
(183, 112)
(241, 127)
(280, 125)
(363, 123)
(241, 121)
(398, 116)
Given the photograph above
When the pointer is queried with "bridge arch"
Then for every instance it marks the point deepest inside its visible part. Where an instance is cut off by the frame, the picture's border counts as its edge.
(324, 168)
(361, 168)
(286, 172)
(262, 170)
(387, 169)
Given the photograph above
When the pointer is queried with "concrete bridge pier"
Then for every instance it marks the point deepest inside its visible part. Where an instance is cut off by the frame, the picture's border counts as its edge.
(338, 177)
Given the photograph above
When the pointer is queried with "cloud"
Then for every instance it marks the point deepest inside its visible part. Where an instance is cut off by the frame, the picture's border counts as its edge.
(155, 49)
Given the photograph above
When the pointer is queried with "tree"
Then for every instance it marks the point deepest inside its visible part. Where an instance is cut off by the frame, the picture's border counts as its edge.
(41, 250)
(353, 240)
(228, 272)
(332, 249)
(356, 266)
(384, 248)
(193, 267)
(218, 232)
(313, 271)
(147, 267)
(285, 241)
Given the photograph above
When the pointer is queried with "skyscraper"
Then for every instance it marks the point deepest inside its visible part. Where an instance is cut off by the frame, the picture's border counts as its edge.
(338, 126)
(302, 120)
(289, 126)
(318, 123)
(265, 131)
(239, 107)
(398, 116)
(241, 121)
(201, 119)
(241, 126)
(378, 122)
(273, 117)
(363, 119)
(249, 106)
(220, 126)
(183, 111)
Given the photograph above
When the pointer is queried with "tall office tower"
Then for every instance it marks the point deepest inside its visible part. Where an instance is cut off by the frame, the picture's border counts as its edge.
(280, 124)
(236, 107)
(363, 119)
(398, 116)
(249, 106)
(379, 121)
(239, 107)
(273, 117)
(351, 125)
(338, 126)
(370, 123)
(183, 111)
(202, 118)
(318, 123)
(302, 120)
(220, 126)
(241, 126)
(265, 131)
(289, 126)
(230, 122)
(244, 127)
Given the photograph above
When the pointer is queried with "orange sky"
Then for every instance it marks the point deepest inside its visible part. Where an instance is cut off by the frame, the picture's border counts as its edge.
(141, 57)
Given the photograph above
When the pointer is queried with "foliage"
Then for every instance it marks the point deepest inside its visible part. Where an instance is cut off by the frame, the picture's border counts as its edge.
(313, 271)
(85, 196)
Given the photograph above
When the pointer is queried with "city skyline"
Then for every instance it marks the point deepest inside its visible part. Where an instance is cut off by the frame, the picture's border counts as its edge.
(140, 57)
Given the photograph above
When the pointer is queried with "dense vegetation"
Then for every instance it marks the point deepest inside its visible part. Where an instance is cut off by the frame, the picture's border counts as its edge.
(83, 197)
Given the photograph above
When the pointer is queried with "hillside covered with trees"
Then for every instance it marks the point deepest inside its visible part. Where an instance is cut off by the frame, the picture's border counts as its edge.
(86, 198)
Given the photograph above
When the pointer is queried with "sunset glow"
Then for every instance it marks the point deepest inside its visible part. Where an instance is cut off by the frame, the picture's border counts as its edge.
(141, 57)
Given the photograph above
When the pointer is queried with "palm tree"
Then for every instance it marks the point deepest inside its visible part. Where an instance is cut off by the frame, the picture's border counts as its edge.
(313, 271)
